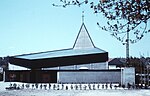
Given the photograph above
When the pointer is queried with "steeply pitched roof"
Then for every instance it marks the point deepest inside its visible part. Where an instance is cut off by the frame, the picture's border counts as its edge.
(83, 52)
(82, 46)
(83, 39)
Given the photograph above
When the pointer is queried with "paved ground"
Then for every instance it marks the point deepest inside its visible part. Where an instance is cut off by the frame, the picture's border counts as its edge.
(70, 92)
(37, 92)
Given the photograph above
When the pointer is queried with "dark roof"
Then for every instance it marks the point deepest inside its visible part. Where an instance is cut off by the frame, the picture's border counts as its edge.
(56, 58)
(117, 61)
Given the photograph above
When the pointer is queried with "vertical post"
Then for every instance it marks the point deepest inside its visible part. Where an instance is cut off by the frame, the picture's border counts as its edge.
(127, 48)
(141, 73)
(147, 80)
(144, 75)
(148, 75)
(58, 74)
(82, 16)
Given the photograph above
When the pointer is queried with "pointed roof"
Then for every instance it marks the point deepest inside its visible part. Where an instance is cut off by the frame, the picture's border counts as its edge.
(83, 39)
(81, 53)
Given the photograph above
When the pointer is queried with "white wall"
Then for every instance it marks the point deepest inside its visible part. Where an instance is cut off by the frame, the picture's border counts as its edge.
(112, 66)
(128, 75)
(15, 67)
(90, 76)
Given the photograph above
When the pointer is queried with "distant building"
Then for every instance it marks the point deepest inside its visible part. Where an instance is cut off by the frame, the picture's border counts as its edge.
(141, 65)
(84, 63)
(116, 63)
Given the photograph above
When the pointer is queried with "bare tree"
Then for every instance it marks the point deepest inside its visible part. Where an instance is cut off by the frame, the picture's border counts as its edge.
(127, 20)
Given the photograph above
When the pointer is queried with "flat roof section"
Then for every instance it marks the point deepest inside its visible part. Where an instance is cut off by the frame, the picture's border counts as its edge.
(60, 53)
(67, 58)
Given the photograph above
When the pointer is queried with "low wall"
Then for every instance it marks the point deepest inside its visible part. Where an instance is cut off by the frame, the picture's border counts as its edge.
(63, 76)
(89, 76)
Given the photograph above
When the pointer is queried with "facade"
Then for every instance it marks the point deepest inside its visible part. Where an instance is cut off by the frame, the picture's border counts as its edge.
(84, 63)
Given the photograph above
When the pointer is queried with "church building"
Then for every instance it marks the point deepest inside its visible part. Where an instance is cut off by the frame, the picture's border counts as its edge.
(83, 63)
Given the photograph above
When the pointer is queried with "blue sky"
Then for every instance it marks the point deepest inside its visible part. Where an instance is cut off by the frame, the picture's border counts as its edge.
(29, 26)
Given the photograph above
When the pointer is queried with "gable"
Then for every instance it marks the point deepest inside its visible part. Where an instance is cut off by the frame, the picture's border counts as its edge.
(83, 39)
